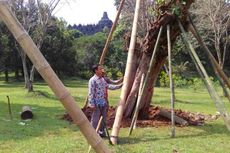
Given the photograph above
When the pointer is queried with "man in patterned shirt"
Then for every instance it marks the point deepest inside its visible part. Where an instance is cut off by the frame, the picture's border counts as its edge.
(97, 96)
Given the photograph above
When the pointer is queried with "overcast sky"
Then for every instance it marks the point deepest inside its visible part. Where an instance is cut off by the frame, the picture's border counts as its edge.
(85, 11)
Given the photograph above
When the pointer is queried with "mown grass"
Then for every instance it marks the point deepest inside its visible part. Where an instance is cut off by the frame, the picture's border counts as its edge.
(46, 133)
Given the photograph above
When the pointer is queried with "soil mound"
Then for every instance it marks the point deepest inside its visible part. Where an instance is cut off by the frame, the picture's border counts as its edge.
(157, 117)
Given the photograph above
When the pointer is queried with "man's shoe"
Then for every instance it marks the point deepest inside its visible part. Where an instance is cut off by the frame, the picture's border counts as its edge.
(102, 135)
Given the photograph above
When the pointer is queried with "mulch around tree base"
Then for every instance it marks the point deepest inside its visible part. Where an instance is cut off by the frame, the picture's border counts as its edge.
(154, 118)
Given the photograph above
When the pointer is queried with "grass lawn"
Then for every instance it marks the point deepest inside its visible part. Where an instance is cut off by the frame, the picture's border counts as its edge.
(46, 133)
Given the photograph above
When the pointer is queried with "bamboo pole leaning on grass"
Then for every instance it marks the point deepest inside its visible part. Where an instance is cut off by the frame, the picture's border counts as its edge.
(135, 115)
(128, 73)
(51, 78)
(98, 127)
(212, 92)
(171, 83)
(102, 59)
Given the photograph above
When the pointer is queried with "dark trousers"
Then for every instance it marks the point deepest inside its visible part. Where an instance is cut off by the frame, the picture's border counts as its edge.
(100, 110)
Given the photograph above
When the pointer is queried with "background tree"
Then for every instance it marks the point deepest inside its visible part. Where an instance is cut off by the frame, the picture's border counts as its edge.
(58, 48)
(34, 16)
(212, 17)
(4, 51)
(146, 14)
(88, 51)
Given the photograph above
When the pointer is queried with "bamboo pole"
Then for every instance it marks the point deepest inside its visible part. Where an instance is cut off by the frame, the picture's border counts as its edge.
(171, 83)
(213, 94)
(151, 64)
(98, 127)
(128, 70)
(139, 95)
(135, 115)
(102, 59)
(223, 79)
(51, 78)
(214, 63)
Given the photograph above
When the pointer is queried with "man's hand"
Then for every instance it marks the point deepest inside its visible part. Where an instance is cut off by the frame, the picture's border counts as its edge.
(92, 107)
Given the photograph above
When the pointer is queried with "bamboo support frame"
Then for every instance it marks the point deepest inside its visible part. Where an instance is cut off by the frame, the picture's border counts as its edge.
(102, 59)
(213, 94)
(171, 83)
(134, 120)
(129, 63)
(51, 78)
(150, 64)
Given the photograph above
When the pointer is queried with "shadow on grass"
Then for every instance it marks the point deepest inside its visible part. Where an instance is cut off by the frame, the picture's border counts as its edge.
(10, 85)
(215, 128)
(46, 121)
(39, 93)
(131, 140)
(183, 101)
(207, 130)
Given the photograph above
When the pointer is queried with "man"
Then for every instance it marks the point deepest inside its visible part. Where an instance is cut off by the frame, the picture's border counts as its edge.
(97, 97)
(118, 82)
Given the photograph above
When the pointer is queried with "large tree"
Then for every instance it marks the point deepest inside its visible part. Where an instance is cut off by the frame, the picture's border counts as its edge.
(168, 13)
(35, 17)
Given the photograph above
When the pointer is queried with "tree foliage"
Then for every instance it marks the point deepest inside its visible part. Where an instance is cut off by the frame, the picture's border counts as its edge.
(212, 17)
(58, 48)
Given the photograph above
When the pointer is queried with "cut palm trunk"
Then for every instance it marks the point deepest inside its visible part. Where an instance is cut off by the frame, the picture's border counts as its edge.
(177, 119)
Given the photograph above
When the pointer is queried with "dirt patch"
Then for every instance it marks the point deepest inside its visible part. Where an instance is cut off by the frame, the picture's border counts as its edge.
(155, 118)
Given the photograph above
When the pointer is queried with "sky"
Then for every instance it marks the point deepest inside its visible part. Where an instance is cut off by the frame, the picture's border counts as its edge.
(85, 11)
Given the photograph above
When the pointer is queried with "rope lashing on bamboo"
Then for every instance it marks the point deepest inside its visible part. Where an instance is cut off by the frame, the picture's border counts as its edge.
(42, 67)
(22, 36)
(212, 92)
(64, 96)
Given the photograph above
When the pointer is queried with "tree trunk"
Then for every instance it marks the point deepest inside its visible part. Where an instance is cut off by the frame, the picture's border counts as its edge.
(144, 105)
(30, 87)
(16, 74)
(6, 74)
(128, 77)
(146, 50)
(25, 71)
